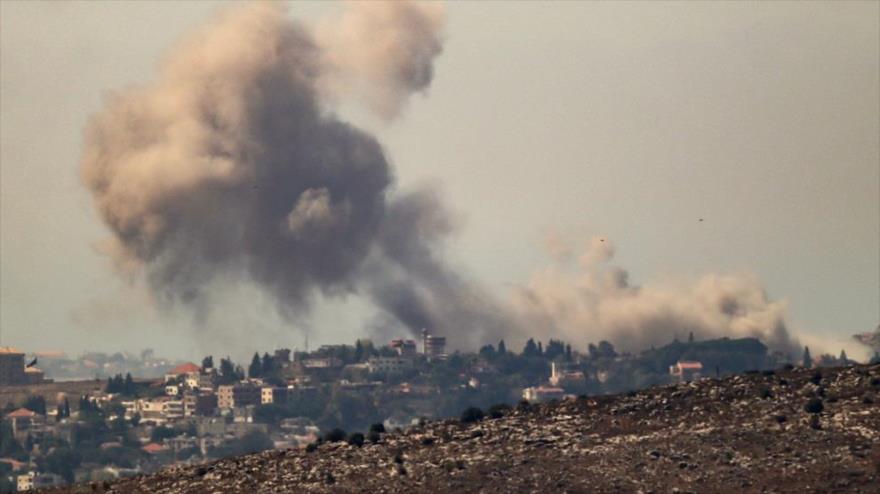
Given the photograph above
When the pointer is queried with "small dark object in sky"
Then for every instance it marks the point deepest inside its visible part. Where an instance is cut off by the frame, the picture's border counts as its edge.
(701, 219)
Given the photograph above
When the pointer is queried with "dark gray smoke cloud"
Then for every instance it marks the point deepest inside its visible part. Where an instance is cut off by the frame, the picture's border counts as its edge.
(231, 165)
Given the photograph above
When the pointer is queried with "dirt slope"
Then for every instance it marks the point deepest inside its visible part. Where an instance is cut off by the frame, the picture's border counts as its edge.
(747, 433)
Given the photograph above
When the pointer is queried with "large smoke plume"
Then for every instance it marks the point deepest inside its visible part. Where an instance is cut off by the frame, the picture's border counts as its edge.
(232, 166)
(597, 298)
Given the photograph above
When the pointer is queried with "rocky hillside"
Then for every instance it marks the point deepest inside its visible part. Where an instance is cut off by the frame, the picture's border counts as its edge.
(790, 431)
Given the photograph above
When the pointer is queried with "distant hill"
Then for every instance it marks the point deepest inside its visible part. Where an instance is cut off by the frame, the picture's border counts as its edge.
(792, 431)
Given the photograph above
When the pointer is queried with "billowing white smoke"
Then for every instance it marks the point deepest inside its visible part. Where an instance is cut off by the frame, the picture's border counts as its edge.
(596, 301)
(381, 50)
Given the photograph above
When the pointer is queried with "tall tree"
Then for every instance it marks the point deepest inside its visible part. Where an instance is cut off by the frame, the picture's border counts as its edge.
(843, 359)
(807, 360)
(228, 373)
(256, 367)
(208, 362)
(502, 348)
(128, 387)
(36, 404)
(358, 351)
(268, 365)
(606, 349)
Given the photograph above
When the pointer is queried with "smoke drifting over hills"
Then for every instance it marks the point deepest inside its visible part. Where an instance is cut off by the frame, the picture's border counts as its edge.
(231, 165)
(600, 297)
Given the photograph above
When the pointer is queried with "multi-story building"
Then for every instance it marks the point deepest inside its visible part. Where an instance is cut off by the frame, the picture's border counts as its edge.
(388, 365)
(207, 380)
(322, 363)
(434, 347)
(172, 410)
(271, 394)
(403, 347)
(238, 395)
(152, 410)
(12, 367)
(282, 355)
(31, 481)
(562, 375)
(200, 404)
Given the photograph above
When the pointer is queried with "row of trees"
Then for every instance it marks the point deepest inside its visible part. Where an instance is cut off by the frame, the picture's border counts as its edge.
(119, 385)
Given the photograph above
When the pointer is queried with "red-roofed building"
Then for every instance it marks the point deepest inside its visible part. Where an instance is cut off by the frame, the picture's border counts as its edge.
(22, 419)
(13, 463)
(154, 448)
(20, 413)
(188, 370)
(686, 370)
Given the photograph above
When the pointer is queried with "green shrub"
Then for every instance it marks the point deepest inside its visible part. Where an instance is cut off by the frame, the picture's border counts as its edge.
(471, 415)
(335, 436)
(356, 439)
(499, 410)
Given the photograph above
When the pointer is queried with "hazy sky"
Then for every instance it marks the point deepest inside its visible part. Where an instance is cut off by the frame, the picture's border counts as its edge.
(627, 120)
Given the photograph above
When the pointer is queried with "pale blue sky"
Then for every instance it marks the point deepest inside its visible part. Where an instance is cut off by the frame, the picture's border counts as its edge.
(630, 120)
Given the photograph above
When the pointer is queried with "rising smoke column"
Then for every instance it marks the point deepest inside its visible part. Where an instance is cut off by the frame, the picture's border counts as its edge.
(232, 165)
(596, 301)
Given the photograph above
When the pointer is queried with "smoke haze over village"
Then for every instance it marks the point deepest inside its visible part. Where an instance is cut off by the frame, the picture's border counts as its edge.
(279, 174)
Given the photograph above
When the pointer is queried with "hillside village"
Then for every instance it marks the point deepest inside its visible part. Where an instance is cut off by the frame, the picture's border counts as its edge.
(288, 400)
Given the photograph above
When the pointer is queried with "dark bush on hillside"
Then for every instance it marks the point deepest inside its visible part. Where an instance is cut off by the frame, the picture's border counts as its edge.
(427, 441)
(816, 378)
(356, 439)
(499, 410)
(374, 437)
(471, 415)
(335, 436)
(814, 406)
(311, 447)
(524, 406)
(788, 367)
(378, 427)
(764, 393)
